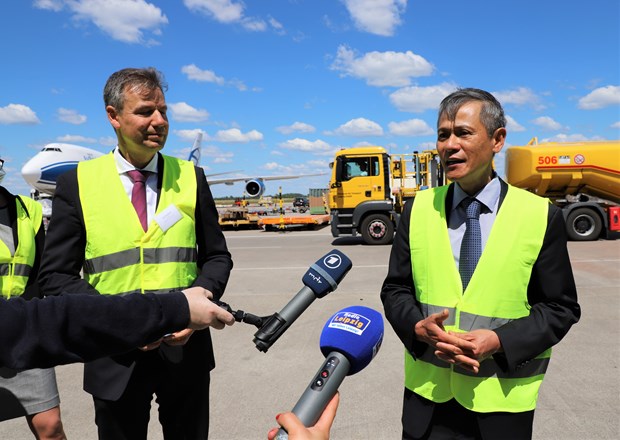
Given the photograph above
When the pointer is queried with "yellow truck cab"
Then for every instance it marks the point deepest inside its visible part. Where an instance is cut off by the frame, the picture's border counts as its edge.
(369, 187)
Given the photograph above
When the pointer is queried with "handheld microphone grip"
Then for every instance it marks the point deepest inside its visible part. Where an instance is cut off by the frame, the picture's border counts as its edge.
(323, 387)
(278, 323)
(319, 280)
(350, 340)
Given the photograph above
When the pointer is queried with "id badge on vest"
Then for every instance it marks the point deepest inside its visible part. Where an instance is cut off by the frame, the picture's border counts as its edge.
(168, 217)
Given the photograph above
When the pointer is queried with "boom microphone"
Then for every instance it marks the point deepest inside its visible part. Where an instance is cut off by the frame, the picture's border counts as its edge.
(349, 341)
(320, 279)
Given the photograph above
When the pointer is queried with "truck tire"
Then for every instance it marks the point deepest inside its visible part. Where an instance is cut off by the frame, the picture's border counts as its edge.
(377, 229)
(583, 224)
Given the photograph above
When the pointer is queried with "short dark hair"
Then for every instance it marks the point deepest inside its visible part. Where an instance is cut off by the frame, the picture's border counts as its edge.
(146, 79)
(491, 115)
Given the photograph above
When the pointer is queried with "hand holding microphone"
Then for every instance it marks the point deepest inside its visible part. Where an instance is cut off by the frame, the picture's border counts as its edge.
(350, 339)
(297, 431)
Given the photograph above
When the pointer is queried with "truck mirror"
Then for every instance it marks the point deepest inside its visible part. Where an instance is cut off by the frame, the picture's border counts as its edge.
(339, 169)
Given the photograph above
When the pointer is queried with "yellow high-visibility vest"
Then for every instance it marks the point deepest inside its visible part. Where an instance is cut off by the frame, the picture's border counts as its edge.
(120, 257)
(496, 295)
(15, 270)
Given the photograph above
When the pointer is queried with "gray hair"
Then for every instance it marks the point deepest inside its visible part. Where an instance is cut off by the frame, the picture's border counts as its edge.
(130, 79)
(491, 115)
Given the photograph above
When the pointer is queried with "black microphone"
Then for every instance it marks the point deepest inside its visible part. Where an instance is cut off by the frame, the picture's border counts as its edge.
(350, 340)
(320, 279)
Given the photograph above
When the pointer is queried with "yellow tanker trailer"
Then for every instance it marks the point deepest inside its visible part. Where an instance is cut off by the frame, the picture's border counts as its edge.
(582, 178)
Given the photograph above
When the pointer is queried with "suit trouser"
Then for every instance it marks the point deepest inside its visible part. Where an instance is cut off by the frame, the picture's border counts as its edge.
(182, 394)
(426, 420)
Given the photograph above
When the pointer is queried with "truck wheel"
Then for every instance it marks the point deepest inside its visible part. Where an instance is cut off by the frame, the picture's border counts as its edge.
(583, 224)
(377, 229)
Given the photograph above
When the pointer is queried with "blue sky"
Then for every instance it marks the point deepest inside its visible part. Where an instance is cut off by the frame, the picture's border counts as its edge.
(278, 85)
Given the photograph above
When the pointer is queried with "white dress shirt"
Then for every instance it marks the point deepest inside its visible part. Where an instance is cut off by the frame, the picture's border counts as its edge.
(151, 182)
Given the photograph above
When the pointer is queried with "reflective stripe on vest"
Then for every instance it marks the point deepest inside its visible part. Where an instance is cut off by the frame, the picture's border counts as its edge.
(119, 256)
(496, 295)
(15, 270)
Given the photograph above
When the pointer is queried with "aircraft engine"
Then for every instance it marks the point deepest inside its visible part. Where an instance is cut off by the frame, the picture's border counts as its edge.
(254, 187)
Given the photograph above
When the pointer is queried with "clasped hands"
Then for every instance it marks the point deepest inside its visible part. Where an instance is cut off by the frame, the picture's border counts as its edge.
(467, 350)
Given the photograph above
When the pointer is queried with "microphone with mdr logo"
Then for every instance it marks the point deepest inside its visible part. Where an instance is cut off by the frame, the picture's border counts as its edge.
(319, 280)
(349, 341)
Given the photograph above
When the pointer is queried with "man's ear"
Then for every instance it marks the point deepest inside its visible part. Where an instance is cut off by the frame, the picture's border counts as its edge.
(113, 116)
(499, 137)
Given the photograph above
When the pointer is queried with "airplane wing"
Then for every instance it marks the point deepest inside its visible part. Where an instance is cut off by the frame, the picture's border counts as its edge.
(255, 186)
(231, 180)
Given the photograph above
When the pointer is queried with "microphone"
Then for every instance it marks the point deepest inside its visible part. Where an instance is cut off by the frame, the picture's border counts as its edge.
(349, 341)
(319, 280)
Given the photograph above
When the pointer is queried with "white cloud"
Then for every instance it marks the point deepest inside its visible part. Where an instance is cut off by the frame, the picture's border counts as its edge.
(601, 97)
(299, 127)
(234, 135)
(217, 155)
(418, 99)
(183, 112)
(547, 123)
(513, 125)
(194, 73)
(189, 135)
(254, 24)
(51, 5)
(382, 68)
(70, 116)
(299, 144)
(521, 96)
(231, 12)
(379, 17)
(18, 114)
(411, 127)
(577, 137)
(224, 11)
(76, 139)
(107, 141)
(123, 20)
(615, 125)
(358, 127)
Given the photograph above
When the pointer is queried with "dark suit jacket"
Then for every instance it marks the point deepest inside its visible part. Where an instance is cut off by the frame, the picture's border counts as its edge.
(551, 293)
(64, 256)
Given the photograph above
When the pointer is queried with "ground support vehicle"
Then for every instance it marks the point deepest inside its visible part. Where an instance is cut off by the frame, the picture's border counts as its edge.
(582, 178)
(369, 188)
(308, 221)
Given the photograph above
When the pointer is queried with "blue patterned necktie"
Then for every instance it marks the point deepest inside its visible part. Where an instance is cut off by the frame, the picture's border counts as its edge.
(471, 247)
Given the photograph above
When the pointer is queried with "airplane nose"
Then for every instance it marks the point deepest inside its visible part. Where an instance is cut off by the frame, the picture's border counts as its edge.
(31, 172)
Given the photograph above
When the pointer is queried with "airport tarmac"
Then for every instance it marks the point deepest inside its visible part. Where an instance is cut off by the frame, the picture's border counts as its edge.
(580, 398)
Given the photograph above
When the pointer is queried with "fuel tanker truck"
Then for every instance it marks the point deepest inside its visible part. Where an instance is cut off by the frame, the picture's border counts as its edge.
(582, 178)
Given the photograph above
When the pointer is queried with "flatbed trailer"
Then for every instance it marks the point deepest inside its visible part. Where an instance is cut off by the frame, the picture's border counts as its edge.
(292, 221)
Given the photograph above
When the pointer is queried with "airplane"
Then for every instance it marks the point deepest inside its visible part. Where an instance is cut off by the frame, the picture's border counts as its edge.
(42, 170)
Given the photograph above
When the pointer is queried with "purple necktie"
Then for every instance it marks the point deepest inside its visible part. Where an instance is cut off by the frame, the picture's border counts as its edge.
(138, 195)
(471, 246)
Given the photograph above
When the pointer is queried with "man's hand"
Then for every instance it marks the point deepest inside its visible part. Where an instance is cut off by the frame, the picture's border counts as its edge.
(151, 346)
(203, 313)
(486, 343)
(448, 346)
(297, 431)
(178, 338)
